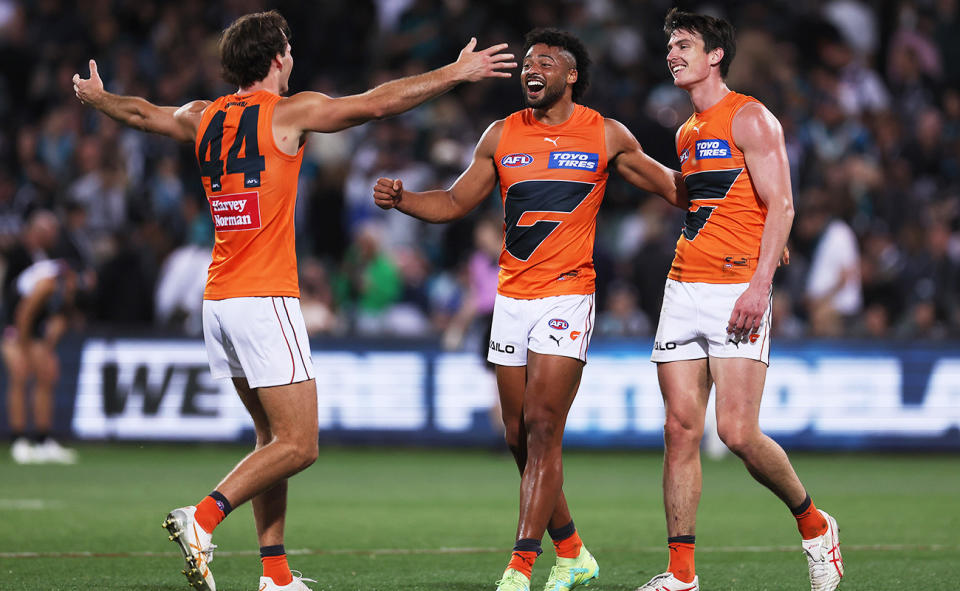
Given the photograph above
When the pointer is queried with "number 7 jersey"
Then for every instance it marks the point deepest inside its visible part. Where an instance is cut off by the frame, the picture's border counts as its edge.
(552, 180)
(252, 190)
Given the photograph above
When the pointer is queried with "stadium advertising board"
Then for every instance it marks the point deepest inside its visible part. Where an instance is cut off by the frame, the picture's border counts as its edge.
(817, 396)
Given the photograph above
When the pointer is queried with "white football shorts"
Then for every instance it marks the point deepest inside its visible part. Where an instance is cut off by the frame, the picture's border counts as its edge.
(693, 324)
(262, 339)
(555, 325)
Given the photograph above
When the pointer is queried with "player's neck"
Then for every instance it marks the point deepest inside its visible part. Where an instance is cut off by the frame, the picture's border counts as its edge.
(557, 113)
(270, 84)
(707, 93)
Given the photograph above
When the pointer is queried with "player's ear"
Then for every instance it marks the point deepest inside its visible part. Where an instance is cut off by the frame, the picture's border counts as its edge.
(572, 76)
(716, 56)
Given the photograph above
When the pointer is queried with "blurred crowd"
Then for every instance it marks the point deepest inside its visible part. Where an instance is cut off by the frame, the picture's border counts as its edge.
(868, 93)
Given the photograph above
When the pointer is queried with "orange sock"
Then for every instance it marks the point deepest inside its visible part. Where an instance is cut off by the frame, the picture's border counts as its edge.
(209, 515)
(568, 547)
(810, 521)
(681, 561)
(523, 562)
(276, 568)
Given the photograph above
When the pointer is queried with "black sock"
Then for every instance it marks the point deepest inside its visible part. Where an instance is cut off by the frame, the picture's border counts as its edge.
(528, 545)
(803, 506)
(682, 540)
(562, 533)
(222, 503)
(272, 551)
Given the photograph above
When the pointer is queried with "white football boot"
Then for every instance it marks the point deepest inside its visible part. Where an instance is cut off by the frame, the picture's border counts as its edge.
(195, 545)
(823, 557)
(668, 582)
(51, 452)
(297, 584)
(22, 451)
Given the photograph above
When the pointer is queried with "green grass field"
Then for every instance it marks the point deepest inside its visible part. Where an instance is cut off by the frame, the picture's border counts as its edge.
(416, 520)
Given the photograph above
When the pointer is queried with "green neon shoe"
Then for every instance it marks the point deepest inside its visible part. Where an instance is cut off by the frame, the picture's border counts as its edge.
(570, 573)
(513, 580)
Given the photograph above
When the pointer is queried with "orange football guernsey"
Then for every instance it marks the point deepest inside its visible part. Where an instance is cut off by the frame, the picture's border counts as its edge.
(552, 179)
(720, 241)
(252, 189)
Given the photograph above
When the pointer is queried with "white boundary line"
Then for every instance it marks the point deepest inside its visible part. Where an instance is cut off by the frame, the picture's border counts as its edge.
(414, 551)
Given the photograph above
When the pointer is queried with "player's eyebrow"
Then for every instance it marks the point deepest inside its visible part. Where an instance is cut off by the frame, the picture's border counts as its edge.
(678, 40)
(541, 55)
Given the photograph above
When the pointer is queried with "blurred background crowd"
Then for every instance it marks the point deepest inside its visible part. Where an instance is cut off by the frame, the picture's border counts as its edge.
(868, 93)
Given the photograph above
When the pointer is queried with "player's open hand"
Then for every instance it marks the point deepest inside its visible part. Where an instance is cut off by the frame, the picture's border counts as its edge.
(486, 63)
(87, 89)
(387, 192)
(747, 316)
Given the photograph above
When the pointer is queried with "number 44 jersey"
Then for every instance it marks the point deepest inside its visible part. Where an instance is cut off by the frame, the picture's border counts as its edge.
(720, 241)
(252, 189)
(552, 180)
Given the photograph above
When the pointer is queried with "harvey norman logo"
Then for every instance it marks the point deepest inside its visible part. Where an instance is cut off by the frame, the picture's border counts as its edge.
(240, 211)
(574, 160)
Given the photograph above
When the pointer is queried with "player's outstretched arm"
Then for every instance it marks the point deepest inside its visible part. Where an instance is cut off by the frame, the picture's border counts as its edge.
(179, 123)
(639, 169)
(314, 111)
(468, 191)
(758, 134)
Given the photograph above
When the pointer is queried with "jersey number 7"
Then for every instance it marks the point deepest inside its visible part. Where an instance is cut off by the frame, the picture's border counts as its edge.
(709, 184)
(210, 151)
(534, 209)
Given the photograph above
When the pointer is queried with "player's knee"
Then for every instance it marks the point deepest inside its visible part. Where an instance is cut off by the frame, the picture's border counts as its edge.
(737, 438)
(679, 433)
(305, 454)
(542, 425)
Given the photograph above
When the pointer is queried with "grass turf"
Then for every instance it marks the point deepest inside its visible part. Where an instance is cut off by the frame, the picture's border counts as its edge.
(426, 519)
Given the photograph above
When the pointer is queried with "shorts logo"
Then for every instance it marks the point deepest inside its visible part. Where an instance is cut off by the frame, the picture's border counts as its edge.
(753, 338)
(516, 160)
(574, 334)
(684, 155)
(501, 348)
(558, 324)
(713, 149)
(240, 211)
(574, 160)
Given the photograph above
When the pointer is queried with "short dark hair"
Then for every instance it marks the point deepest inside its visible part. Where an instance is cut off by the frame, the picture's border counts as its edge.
(249, 44)
(568, 42)
(716, 32)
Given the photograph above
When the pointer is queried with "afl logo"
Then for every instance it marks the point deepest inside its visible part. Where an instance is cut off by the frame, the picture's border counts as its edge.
(516, 160)
(558, 324)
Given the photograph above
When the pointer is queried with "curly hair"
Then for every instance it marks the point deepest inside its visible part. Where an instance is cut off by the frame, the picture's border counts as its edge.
(716, 32)
(568, 42)
(249, 44)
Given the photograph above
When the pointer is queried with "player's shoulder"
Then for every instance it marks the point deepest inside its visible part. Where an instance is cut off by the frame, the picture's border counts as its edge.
(491, 136)
(754, 121)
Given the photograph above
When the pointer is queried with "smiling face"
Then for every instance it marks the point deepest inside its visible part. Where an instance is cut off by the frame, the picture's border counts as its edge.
(687, 60)
(546, 74)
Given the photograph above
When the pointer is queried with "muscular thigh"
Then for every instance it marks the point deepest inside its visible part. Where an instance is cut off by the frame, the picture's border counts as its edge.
(552, 383)
(685, 387)
(739, 384)
(282, 411)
